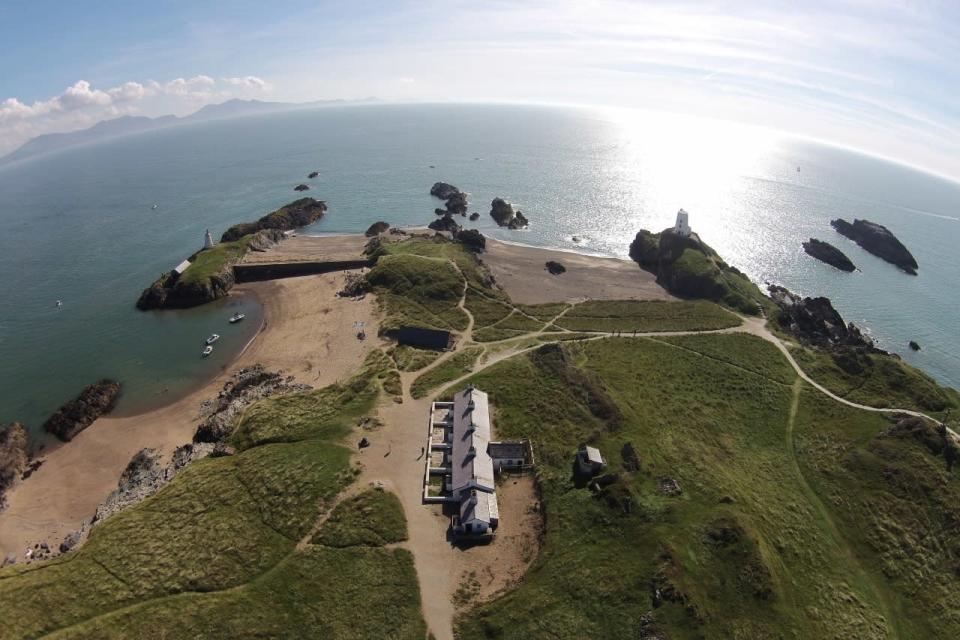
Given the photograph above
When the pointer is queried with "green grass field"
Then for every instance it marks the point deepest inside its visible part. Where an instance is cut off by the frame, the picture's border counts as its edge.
(648, 315)
(211, 262)
(371, 519)
(412, 359)
(460, 364)
(759, 543)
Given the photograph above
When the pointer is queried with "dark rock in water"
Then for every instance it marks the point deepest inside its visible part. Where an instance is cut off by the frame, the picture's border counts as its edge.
(555, 268)
(70, 541)
(313, 174)
(826, 252)
(443, 190)
(78, 414)
(298, 213)
(301, 187)
(879, 241)
(472, 239)
(440, 212)
(446, 223)
(457, 203)
(376, 229)
(13, 456)
(814, 321)
(474, 216)
(914, 345)
(504, 215)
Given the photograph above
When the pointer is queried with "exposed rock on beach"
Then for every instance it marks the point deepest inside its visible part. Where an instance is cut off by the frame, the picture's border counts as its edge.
(826, 252)
(879, 241)
(376, 229)
(445, 223)
(78, 414)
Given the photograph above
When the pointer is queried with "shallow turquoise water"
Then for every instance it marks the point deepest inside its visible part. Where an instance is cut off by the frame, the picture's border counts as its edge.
(78, 226)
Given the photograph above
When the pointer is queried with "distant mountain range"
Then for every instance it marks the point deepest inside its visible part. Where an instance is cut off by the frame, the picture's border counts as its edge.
(135, 124)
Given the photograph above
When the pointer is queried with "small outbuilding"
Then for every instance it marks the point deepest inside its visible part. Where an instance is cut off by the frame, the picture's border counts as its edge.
(510, 455)
(424, 338)
(589, 461)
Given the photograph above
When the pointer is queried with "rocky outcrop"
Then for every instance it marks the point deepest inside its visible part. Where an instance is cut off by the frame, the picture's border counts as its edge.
(826, 252)
(689, 268)
(78, 414)
(298, 213)
(457, 203)
(376, 229)
(474, 216)
(879, 241)
(555, 268)
(815, 322)
(13, 456)
(504, 215)
(172, 291)
(914, 345)
(245, 387)
(313, 174)
(443, 190)
(145, 474)
(446, 223)
(472, 240)
(301, 187)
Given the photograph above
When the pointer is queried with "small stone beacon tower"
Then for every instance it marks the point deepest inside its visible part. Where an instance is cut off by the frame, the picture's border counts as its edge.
(208, 239)
(682, 227)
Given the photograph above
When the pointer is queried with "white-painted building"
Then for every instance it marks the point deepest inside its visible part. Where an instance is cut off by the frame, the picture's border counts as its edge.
(682, 226)
(207, 240)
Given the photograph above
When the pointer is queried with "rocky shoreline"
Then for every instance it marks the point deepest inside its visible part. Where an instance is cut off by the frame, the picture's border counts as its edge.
(76, 415)
(878, 240)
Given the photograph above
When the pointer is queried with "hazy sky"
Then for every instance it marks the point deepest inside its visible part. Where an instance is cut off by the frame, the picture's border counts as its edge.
(876, 75)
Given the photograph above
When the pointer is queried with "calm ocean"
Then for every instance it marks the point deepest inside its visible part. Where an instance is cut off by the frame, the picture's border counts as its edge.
(78, 225)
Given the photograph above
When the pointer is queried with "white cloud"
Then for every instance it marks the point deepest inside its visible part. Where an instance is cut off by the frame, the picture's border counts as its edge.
(248, 82)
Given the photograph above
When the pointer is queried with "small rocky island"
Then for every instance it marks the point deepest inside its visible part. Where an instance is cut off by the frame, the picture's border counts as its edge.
(301, 187)
(208, 274)
(78, 414)
(879, 241)
(456, 200)
(504, 215)
(826, 252)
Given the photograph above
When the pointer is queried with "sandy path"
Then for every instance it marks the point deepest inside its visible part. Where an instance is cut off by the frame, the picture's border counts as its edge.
(307, 333)
(521, 273)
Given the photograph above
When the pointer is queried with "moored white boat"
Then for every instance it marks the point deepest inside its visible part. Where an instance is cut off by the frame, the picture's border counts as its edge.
(237, 317)
(207, 350)
(213, 338)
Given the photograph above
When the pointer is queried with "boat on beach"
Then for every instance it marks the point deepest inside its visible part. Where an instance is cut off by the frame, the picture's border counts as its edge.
(237, 317)
(213, 338)
(207, 350)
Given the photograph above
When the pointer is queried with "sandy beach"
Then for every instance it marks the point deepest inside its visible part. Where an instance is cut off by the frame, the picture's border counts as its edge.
(521, 272)
(308, 333)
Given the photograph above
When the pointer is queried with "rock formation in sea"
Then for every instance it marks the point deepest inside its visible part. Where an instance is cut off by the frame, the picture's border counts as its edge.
(376, 229)
(13, 456)
(826, 252)
(504, 215)
(456, 200)
(298, 213)
(443, 190)
(446, 223)
(914, 345)
(313, 174)
(878, 240)
(474, 216)
(301, 187)
(78, 414)
(457, 203)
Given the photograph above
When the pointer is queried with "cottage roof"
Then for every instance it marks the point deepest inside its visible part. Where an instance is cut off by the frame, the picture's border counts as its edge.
(480, 506)
(470, 460)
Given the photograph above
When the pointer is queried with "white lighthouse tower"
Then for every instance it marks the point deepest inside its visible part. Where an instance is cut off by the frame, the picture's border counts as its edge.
(207, 240)
(682, 227)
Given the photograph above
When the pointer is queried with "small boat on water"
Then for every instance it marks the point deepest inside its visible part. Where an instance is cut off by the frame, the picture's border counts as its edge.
(213, 338)
(237, 317)
(207, 350)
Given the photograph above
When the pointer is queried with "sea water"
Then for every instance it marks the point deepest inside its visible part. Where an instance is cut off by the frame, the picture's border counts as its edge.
(79, 225)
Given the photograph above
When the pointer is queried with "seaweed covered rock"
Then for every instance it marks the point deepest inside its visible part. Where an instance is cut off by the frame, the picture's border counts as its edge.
(826, 252)
(78, 414)
(298, 213)
(879, 241)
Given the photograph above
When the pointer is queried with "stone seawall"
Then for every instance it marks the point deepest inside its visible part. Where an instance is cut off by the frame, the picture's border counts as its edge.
(273, 271)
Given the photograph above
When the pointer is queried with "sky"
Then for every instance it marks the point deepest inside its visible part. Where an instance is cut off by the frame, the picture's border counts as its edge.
(875, 75)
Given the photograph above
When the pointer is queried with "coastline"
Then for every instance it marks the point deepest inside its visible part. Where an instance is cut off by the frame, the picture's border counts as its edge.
(299, 335)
